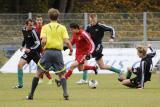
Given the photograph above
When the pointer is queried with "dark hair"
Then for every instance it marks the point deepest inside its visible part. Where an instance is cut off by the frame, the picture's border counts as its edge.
(93, 15)
(28, 20)
(53, 14)
(38, 16)
(74, 26)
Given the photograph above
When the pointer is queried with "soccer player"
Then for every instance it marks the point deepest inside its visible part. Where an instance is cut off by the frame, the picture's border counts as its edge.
(96, 31)
(38, 27)
(143, 72)
(79, 38)
(38, 23)
(53, 36)
(31, 47)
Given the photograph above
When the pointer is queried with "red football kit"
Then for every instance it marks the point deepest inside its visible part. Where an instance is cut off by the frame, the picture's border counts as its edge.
(38, 29)
(84, 45)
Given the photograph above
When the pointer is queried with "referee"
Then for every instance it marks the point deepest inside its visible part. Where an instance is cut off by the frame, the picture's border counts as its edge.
(53, 36)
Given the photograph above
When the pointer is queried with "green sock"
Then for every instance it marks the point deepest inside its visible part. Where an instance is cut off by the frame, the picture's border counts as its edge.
(128, 76)
(85, 75)
(114, 70)
(20, 77)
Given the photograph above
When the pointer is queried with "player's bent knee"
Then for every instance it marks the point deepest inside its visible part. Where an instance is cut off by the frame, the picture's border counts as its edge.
(80, 69)
(129, 69)
(104, 67)
(20, 66)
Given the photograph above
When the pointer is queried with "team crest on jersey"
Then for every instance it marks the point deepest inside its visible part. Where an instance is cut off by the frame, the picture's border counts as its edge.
(96, 30)
(29, 36)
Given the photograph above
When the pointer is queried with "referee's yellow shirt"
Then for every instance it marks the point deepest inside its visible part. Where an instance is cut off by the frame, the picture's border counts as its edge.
(55, 34)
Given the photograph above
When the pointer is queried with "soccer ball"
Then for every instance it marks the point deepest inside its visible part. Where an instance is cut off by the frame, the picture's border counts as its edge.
(93, 84)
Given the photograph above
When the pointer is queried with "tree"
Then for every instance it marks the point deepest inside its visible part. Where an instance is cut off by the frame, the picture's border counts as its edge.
(66, 6)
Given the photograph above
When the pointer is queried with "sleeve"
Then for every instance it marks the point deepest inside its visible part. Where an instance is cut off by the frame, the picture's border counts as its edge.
(73, 40)
(89, 41)
(23, 42)
(108, 28)
(43, 32)
(141, 75)
(152, 54)
(65, 33)
(36, 40)
(87, 29)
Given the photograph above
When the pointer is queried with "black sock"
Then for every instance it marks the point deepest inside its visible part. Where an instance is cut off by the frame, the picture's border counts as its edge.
(34, 85)
(64, 86)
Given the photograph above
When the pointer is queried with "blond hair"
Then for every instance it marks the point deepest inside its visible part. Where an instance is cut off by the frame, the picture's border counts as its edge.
(93, 18)
(141, 49)
(53, 14)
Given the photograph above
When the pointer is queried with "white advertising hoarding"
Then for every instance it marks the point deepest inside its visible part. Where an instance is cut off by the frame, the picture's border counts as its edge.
(120, 58)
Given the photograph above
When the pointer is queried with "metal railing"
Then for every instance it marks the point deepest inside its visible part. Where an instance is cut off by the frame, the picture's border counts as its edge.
(128, 26)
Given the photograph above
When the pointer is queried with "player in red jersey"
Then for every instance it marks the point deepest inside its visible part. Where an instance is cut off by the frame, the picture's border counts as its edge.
(38, 27)
(39, 23)
(84, 46)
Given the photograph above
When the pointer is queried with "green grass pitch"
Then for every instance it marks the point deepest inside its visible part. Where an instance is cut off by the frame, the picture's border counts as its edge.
(109, 93)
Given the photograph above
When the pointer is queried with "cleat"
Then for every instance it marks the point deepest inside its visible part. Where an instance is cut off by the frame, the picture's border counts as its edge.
(58, 82)
(81, 81)
(29, 97)
(50, 82)
(66, 97)
(18, 87)
(96, 70)
(120, 76)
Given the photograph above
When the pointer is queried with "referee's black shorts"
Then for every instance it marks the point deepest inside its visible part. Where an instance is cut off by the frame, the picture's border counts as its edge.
(52, 60)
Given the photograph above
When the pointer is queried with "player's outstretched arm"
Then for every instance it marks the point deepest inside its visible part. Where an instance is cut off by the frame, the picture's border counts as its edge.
(153, 52)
